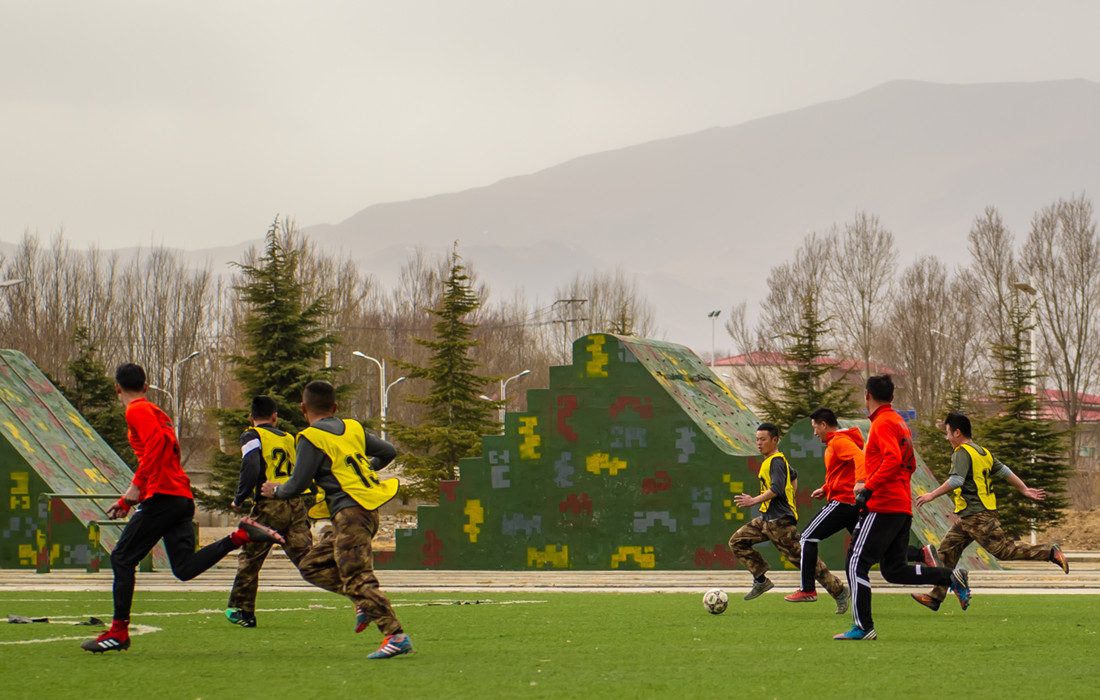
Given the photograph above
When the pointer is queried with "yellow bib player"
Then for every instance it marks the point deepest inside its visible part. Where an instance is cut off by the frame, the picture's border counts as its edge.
(351, 468)
(971, 482)
(267, 454)
(336, 454)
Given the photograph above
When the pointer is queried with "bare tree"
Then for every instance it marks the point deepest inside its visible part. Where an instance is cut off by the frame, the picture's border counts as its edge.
(861, 265)
(613, 303)
(153, 309)
(992, 277)
(922, 346)
(1062, 256)
(789, 283)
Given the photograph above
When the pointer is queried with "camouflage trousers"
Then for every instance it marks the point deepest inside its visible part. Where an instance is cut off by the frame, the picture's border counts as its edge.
(288, 518)
(784, 536)
(343, 562)
(985, 529)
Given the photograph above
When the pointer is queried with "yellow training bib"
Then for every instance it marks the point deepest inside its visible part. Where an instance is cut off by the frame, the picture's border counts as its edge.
(278, 454)
(981, 468)
(766, 483)
(350, 466)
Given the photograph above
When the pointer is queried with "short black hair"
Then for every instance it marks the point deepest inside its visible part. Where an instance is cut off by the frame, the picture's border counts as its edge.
(958, 421)
(263, 407)
(130, 376)
(881, 388)
(826, 416)
(770, 428)
(319, 396)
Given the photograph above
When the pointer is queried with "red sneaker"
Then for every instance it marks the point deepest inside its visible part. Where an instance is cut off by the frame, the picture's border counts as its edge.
(111, 640)
(931, 556)
(802, 597)
(926, 600)
(1059, 557)
(253, 531)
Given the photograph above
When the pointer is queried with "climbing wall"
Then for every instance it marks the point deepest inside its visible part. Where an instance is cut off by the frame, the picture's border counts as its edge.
(46, 446)
(629, 460)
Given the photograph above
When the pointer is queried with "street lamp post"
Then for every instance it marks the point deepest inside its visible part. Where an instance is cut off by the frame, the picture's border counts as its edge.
(383, 388)
(176, 392)
(504, 391)
(172, 399)
(1034, 293)
(713, 316)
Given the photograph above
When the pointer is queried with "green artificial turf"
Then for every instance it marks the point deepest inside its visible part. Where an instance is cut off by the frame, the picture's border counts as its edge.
(538, 645)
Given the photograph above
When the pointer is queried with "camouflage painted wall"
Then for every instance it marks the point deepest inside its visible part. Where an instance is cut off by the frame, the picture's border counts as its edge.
(629, 460)
(47, 447)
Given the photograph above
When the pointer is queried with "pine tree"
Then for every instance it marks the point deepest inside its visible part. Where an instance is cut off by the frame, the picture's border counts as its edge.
(92, 393)
(805, 382)
(456, 416)
(1030, 445)
(284, 343)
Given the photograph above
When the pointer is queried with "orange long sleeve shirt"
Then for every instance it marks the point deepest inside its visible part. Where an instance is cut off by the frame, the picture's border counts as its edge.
(158, 452)
(843, 464)
(890, 463)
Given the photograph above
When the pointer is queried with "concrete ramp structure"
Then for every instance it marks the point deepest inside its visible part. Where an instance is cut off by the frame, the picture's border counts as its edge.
(629, 460)
(46, 446)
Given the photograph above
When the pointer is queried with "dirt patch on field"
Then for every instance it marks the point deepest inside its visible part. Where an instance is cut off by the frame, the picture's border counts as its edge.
(1079, 532)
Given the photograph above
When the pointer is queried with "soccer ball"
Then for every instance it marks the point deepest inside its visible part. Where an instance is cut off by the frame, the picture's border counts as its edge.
(715, 601)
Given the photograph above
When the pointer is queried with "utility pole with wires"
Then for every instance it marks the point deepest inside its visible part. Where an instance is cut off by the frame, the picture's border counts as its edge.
(566, 310)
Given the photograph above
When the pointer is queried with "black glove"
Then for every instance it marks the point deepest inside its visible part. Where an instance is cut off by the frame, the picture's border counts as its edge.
(862, 498)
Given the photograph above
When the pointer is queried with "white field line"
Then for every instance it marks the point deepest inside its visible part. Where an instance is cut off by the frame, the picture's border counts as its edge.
(459, 603)
(135, 630)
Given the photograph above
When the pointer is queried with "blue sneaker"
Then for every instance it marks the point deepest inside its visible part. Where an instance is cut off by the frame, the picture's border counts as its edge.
(960, 586)
(393, 645)
(362, 621)
(857, 635)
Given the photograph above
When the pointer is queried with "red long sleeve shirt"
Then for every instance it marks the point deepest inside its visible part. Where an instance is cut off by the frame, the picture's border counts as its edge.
(843, 464)
(890, 462)
(158, 452)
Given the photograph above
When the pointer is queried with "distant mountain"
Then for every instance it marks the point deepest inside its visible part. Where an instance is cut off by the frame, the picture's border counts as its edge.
(701, 218)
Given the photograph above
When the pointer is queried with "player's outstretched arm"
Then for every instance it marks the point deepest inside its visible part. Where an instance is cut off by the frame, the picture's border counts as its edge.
(1033, 494)
(934, 494)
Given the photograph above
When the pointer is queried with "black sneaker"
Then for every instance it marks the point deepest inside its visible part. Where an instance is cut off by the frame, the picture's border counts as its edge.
(255, 532)
(759, 588)
(108, 641)
(240, 617)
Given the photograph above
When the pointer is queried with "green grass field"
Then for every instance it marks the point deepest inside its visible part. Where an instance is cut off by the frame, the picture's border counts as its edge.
(534, 645)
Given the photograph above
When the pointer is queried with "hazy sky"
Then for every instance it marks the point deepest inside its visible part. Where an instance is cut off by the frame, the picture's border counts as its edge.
(194, 123)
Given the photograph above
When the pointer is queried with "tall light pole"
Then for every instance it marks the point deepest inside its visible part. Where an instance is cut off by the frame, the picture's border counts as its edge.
(383, 388)
(713, 316)
(176, 392)
(1030, 289)
(386, 405)
(504, 391)
(172, 398)
(1034, 293)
